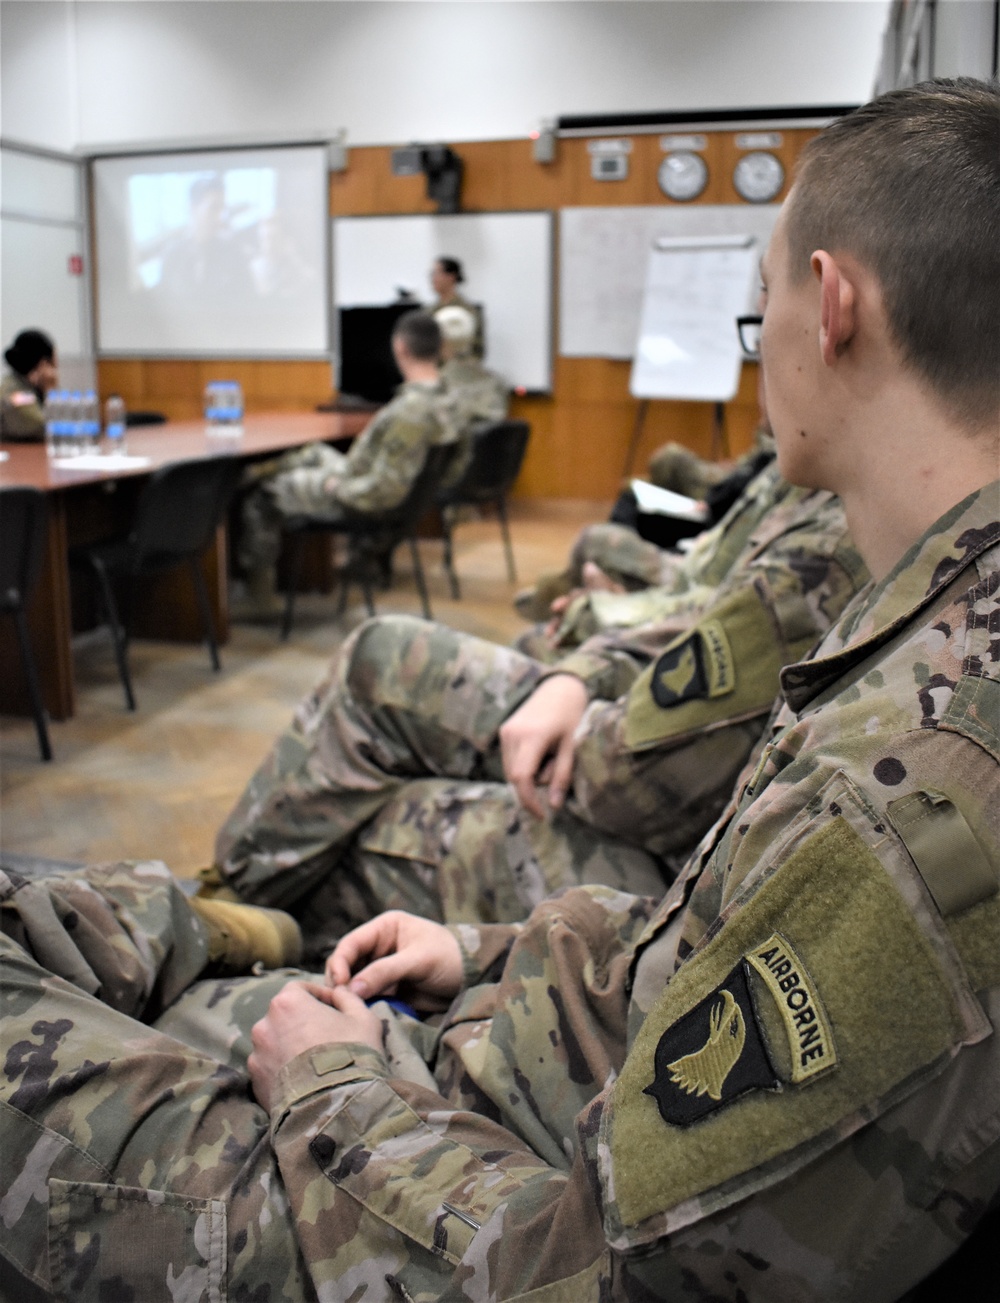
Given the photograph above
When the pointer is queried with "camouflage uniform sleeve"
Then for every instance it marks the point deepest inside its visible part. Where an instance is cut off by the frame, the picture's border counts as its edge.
(21, 415)
(411, 1183)
(483, 947)
(379, 476)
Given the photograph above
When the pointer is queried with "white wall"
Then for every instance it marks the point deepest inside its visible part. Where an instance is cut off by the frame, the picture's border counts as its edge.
(97, 73)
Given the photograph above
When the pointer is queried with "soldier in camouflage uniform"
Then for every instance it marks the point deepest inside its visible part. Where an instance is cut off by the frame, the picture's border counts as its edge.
(374, 476)
(333, 825)
(766, 509)
(613, 556)
(780, 1082)
(33, 372)
(477, 393)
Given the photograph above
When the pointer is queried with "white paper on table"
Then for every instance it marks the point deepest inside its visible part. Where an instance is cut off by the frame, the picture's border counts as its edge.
(653, 500)
(95, 461)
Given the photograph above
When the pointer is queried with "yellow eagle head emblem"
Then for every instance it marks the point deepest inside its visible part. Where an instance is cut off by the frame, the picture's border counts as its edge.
(678, 677)
(704, 1072)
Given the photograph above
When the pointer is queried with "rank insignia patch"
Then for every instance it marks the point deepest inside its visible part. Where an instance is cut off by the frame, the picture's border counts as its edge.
(699, 666)
(711, 1055)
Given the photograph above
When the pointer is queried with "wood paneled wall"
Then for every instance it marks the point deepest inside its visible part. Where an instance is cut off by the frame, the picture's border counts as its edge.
(581, 435)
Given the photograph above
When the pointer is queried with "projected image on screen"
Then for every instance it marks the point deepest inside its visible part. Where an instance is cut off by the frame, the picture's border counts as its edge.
(212, 253)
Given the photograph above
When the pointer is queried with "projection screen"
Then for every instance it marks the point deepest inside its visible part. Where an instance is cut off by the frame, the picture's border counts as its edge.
(219, 253)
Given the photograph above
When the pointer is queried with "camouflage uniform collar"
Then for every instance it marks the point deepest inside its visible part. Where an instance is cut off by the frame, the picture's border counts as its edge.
(421, 386)
(880, 611)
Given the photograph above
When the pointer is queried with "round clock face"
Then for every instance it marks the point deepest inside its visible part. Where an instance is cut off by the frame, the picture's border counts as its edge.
(683, 175)
(758, 177)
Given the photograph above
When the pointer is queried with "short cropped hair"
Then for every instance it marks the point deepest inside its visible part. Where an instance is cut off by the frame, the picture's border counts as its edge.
(453, 268)
(421, 335)
(910, 185)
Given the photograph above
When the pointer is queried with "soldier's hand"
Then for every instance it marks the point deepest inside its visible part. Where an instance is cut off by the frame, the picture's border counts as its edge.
(543, 729)
(399, 954)
(302, 1016)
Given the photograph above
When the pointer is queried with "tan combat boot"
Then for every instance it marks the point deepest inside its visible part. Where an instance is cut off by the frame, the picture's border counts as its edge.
(241, 936)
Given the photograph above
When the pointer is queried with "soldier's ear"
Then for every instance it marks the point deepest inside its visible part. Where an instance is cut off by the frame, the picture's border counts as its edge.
(838, 304)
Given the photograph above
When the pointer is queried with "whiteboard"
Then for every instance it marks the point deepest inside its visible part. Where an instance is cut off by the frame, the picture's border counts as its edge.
(688, 344)
(604, 256)
(507, 259)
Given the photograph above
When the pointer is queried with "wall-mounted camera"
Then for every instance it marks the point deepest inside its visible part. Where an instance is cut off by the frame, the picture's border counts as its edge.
(442, 167)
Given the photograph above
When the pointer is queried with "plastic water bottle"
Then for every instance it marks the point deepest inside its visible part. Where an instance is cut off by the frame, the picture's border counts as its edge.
(53, 422)
(114, 426)
(90, 423)
(224, 407)
(73, 424)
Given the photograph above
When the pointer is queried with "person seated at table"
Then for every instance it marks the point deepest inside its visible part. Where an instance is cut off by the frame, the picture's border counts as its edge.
(446, 276)
(373, 476)
(479, 394)
(33, 372)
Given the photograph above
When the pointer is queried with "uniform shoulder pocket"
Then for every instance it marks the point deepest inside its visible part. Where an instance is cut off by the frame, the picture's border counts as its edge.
(829, 993)
(110, 1241)
(723, 670)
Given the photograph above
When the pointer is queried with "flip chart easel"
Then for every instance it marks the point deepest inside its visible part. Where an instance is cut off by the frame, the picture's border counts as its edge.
(688, 348)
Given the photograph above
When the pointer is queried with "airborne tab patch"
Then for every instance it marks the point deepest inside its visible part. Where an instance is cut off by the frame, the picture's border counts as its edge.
(711, 1055)
(810, 1038)
(701, 665)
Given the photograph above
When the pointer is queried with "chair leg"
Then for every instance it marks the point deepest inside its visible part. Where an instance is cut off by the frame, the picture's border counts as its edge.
(294, 560)
(449, 559)
(205, 608)
(34, 691)
(505, 530)
(117, 632)
(418, 574)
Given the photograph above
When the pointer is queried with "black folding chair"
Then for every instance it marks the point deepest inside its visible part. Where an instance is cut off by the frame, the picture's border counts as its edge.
(370, 535)
(177, 514)
(23, 516)
(498, 449)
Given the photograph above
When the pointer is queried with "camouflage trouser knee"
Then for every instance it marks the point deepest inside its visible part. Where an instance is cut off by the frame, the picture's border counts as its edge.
(621, 554)
(298, 486)
(134, 1165)
(404, 699)
(682, 471)
(467, 852)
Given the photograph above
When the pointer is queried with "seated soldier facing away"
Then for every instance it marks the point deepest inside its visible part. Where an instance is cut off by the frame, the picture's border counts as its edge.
(375, 474)
(781, 1080)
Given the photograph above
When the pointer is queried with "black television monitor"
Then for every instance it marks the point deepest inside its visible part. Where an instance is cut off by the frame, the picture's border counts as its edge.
(367, 368)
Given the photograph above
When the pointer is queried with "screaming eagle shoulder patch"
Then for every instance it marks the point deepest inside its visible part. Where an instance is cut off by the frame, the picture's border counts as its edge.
(700, 665)
(711, 1055)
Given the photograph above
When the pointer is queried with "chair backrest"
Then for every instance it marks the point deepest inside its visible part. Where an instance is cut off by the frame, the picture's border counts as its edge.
(181, 506)
(23, 516)
(498, 449)
(404, 518)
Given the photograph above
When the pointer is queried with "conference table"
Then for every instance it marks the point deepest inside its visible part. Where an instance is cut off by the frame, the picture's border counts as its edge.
(94, 501)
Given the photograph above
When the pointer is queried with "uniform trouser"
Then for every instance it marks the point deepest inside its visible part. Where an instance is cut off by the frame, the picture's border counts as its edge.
(387, 792)
(136, 1163)
(295, 488)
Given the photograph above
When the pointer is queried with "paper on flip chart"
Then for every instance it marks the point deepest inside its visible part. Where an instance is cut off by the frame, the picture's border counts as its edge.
(653, 500)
